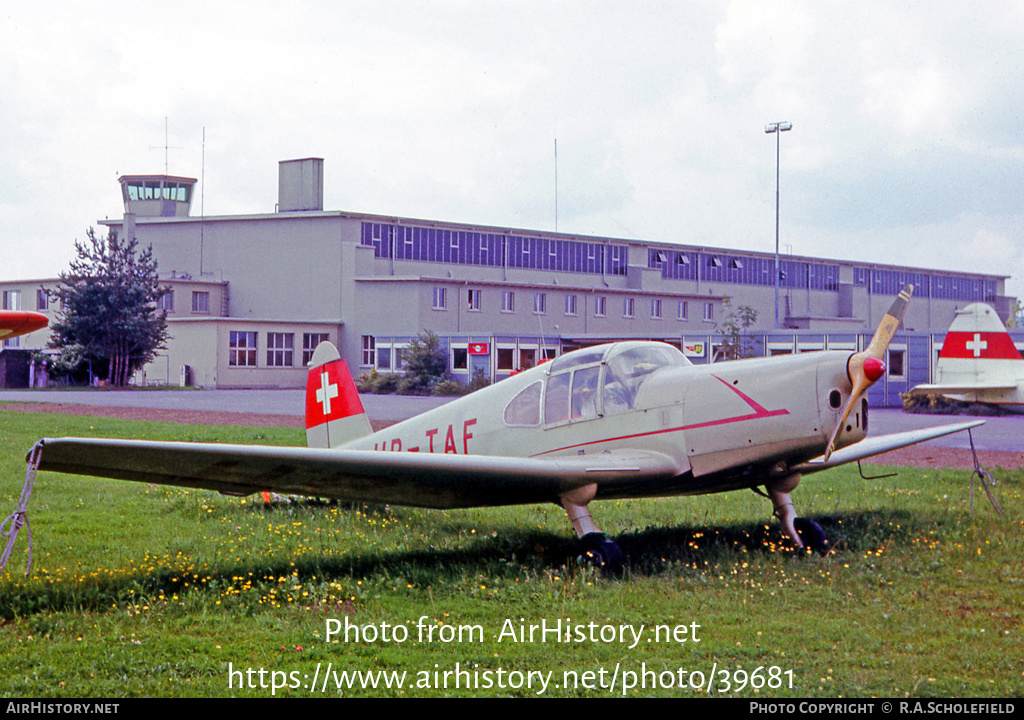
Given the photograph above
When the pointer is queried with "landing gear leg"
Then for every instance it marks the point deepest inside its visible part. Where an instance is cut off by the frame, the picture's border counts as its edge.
(804, 532)
(595, 549)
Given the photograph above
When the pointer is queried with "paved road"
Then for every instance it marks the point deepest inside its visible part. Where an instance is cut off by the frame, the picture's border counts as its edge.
(998, 433)
(1005, 432)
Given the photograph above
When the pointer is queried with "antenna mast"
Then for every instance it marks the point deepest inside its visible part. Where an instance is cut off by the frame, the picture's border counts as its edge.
(166, 147)
(556, 184)
(202, 203)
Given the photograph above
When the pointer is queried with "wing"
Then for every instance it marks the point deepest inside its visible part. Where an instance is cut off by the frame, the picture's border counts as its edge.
(20, 322)
(418, 479)
(872, 446)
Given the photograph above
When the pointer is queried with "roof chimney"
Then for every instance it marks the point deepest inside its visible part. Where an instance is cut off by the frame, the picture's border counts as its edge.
(300, 185)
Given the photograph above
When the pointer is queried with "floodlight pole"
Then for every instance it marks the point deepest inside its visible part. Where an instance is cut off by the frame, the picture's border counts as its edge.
(778, 128)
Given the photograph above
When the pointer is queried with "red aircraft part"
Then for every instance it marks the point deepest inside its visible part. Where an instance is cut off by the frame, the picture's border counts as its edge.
(970, 345)
(331, 394)
(873, 368)
(20, 322)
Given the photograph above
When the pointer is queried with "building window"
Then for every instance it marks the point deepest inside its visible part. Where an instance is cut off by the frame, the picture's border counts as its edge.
(460, 357)
(897, 363)
(709, 311)
(369, 351)
(527, 358)
(656, 309)
(506, 359)
(628, 307)
(166, 303)
(599, 306)
(540, 303)
(280, 350)
(508, 301)
(200, 302)
(42, 300)
(683, 312)
(384, 357)
(400, 358)
(12, 299)
(473, 298)
(440, 298)
(570, 304)
(242, 349)
(309, 343)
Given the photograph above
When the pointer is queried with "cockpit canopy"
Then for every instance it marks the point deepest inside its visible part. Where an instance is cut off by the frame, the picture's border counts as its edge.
(591, 382)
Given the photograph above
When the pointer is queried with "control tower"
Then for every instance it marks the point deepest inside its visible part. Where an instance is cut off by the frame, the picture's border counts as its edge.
(157, 195)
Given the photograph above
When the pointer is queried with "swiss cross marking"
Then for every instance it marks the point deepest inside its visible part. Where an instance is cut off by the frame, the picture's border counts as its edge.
(977, 345)
(327, 391)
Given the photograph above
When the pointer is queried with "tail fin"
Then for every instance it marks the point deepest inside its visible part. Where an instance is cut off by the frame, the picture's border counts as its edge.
(978, 349)
(334, 413)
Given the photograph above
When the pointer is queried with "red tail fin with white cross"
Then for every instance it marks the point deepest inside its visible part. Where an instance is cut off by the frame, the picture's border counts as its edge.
(979, 362)
(978, 350)
(334, 413)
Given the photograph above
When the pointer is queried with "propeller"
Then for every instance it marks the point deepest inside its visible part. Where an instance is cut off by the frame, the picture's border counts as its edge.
(867, 366)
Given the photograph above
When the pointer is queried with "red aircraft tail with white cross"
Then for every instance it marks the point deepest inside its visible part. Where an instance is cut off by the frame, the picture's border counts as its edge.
(979, 362)
(334, 412)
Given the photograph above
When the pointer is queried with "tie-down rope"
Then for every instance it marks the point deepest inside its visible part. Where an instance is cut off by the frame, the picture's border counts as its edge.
(13, 523)
(984, 478)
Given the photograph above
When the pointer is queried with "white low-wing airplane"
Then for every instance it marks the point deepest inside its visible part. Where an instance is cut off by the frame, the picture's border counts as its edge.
(978, 362)
(623, 420)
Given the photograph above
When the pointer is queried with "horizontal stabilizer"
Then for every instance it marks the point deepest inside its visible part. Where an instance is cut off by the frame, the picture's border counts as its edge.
(883, 443)
(960, 388)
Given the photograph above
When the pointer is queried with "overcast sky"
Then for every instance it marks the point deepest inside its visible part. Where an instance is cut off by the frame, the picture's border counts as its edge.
(907, 143)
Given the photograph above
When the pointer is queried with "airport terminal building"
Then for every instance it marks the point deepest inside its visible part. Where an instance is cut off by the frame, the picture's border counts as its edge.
(252, 295)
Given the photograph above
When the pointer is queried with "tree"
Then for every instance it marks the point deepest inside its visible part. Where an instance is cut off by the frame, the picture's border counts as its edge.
(425, 363)
(108, 303)
(735, 343)
(1016, 318)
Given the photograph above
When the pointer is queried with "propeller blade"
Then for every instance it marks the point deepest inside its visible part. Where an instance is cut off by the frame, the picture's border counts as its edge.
(890, 323)
(866, 367)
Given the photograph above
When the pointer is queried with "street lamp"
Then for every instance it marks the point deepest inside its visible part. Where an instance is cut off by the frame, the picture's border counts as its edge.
(778, 128)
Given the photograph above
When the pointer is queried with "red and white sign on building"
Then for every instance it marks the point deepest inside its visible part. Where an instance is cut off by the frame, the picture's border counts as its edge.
(479, 348)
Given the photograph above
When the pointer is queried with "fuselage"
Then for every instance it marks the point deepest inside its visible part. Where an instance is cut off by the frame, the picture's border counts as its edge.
(728, 423)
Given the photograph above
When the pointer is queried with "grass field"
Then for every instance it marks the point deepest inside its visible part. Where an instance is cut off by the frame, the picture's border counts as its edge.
(138, 590)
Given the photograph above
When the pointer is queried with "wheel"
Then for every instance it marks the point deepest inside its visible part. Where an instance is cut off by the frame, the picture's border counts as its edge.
(812, 536)
(598, 551)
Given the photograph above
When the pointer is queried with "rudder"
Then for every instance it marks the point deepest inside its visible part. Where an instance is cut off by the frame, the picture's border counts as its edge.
(334, 412)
